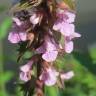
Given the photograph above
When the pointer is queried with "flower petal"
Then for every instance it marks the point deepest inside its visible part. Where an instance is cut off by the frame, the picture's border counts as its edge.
(67, 76)
(67, 29)
(50, 56)
(13, 37)
(25, 68)
(69, 46)
(71, 17)
(49, 77)
(17, 21)
(23, 76)
(23, 36)
(75, 35)
(34, 19)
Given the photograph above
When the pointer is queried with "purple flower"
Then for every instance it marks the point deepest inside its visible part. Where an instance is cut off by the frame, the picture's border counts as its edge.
(48, 49)
(50, 56)
(65, 16)
(64, 22)
(66, 28)
(68, 44)
(49, 77)
(34, 19)
(17, 21)
(71, 17)
(25, 71)
(16, 37)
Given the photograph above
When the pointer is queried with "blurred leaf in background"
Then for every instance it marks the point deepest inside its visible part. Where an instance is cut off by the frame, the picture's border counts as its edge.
(84, 66)
(4, 76)
(2, 8)
(70, 3)
(4, 27)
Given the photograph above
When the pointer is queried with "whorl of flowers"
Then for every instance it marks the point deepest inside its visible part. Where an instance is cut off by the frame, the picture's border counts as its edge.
(38, 26)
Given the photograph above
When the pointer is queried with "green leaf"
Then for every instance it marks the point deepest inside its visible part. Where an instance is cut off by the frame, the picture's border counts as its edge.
(92, 52)
(27, 55)
(52, 91)
(3, 93)
(4, 27)
(2, 8)
(5, 77)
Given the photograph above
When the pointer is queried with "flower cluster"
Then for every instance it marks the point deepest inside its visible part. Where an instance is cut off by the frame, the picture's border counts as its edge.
(36, 26)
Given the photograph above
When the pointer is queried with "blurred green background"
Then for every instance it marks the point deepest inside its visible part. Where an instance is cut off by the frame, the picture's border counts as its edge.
(82, 60)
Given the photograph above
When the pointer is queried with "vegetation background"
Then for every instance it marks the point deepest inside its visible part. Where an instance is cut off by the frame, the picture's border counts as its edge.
(82, 60)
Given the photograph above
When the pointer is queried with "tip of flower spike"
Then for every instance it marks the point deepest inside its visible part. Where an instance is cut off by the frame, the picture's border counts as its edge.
(71, 17)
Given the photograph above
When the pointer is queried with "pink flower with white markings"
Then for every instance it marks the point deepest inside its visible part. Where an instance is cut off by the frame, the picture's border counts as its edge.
(34, 19)
(17, 21)
(50, 56)
(69, 44)
(49, 77)
(25, 71)
(64, 23)
(48, 49)
(66, 28)
(15, 37)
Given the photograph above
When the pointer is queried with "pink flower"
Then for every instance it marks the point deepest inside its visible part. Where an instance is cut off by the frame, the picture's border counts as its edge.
(25, 69)
(65, 16)
(64, 22)
(71, 17)
(34, 19)
(50, 56)
(15, 37)
(17, 21)
(49, 49)
(67, 76)
(68, 44)
(66, 28)
(49, 77)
